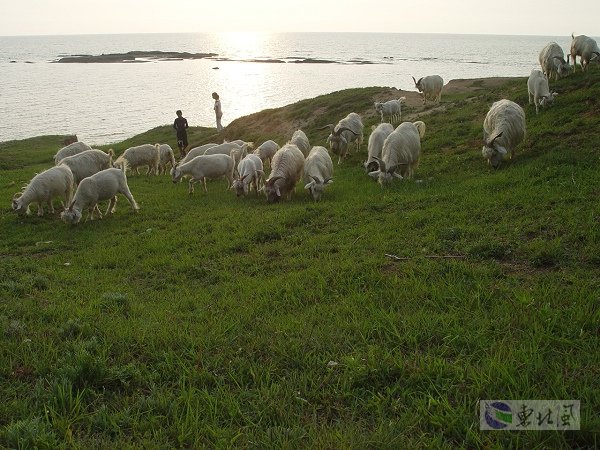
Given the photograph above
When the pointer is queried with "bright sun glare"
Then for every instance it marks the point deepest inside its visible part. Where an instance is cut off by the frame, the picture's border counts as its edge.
(244, 44)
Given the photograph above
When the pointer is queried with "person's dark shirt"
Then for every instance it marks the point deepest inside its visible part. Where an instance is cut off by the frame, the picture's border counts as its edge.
(180, 125)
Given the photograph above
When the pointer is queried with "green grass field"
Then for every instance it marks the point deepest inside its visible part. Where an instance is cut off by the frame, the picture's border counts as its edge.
(211, 321)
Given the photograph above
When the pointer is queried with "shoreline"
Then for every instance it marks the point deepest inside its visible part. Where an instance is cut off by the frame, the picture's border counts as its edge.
(413, 100)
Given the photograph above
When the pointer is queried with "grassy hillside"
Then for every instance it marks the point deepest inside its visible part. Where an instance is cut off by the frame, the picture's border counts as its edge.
(213, 321)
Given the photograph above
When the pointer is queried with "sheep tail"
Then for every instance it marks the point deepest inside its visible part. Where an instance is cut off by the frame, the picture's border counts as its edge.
(121, 163)
(421, 127)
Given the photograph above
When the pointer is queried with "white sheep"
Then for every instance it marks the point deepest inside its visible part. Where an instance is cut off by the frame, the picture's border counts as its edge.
(376, 140)
(300, 140)
(391, 108)
(196, 151)
(145, 155)
(70, 150)
(347, 130)
(552, 61)
(237, 152)
(503, 129)
(88, 163)
(318, 172)
(587, 48)
(286, 170)
(202, 167)
(250, 170)
(267, 150)
(43, 188)
(104, 185)
(401, 153)
(539, 91)
(430, 88)
(166, 157)
(240, 143)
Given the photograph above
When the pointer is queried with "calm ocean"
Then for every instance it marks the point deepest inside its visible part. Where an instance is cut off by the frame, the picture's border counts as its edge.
(108, 102)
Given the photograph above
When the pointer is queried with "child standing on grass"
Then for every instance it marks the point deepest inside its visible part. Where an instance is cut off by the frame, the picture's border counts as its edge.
(218, 111)
(180, 126)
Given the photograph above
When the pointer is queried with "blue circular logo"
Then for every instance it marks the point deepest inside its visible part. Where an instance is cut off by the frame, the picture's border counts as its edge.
(498, 415)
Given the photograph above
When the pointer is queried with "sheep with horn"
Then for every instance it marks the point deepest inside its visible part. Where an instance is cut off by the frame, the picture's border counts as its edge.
(347, 130)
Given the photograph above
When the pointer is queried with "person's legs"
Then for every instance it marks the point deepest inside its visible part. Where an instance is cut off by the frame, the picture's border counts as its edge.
(219, 126)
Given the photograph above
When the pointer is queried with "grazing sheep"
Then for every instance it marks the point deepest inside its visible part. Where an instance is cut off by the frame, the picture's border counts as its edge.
(318, 172)
(587, 48)
(539, 92)
(104, 185)
(237, 152)
(503, 130)
(146, 155)
(430, 87)
(267, 150)
(552, 61)
(401, 153)
(286, 170)
(196, 151)
(70, 150)
(250, 171)
(202, 167)
(54, 182)
(240, 143)
(300, 140)
(166, 157)
(347, 130)
(88, 163)
(376, 139)
(391, 108)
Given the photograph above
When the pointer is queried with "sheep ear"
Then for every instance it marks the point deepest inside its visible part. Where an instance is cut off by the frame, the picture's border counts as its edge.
(307, 186)
(397, 175)
(501, 150)
(343, 139)
(375, 174)
(328, 181)
(554, 94)
(260, 172)
(277, 191)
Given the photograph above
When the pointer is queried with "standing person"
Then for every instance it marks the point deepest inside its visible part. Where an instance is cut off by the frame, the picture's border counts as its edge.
(180, 126)
(218, 111)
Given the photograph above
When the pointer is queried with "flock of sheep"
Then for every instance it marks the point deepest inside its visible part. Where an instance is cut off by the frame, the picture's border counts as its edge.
(392, 152)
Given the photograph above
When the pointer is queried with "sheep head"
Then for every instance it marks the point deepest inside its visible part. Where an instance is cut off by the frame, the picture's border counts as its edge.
(418, 84)
(384, 174)
(272, 191)
(338, 141)
(239, 186)
(71, 215)
(18, 205)
(317, 187)
(493, 152)
(176, 174)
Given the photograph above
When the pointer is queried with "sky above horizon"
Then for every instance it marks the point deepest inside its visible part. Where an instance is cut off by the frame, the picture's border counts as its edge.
(517, 17)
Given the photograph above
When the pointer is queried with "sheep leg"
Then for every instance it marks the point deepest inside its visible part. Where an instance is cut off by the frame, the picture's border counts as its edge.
(137, 171)
(127, 193)
(40, 212)
(530, 98)
(111, 206)
(191, 186)
(204, 181)
(51, 205)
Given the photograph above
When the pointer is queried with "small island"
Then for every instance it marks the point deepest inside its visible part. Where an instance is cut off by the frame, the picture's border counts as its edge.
(134, 56)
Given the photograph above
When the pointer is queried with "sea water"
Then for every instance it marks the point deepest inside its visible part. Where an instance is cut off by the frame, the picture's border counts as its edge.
(108, 102)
